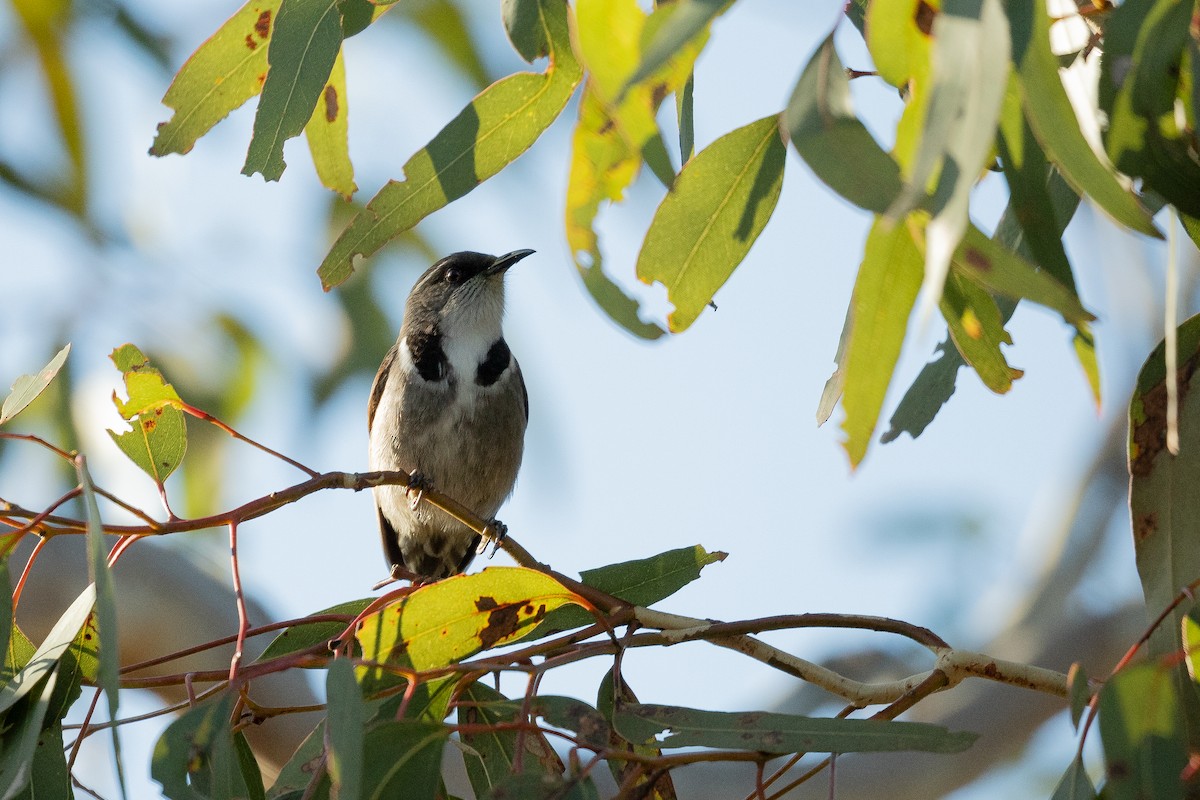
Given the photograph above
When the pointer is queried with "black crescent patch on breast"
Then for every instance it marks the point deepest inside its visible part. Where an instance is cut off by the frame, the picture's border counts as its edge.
(494, 364)
(427, 354)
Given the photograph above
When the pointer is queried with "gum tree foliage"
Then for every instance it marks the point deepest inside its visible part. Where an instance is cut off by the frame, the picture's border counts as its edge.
(406, 673)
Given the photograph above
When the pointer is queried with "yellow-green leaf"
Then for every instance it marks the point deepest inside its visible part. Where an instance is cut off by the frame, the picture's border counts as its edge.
(500, 124)
(884, 293)
(327, 133)
(447, 621)
(978, 331)
(158, 439)
(224, 72)
(707, 222)
(305, 43)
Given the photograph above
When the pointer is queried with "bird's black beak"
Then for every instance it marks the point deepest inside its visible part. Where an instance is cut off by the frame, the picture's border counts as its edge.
(507, 260)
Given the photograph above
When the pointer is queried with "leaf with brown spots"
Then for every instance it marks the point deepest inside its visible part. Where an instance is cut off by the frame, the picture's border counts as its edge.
(1163, 499)
(447, 621)
(328, 132)
(158, 439)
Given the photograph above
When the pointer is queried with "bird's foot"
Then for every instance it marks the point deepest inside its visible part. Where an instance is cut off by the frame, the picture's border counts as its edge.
(418, 484)
(494, 533)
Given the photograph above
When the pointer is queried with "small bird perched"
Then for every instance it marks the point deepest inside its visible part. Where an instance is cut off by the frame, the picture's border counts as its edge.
(449, 404)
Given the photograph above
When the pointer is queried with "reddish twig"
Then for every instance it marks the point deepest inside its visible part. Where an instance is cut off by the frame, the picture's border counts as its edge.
(20, 587)
(209, 418)
(240, 599)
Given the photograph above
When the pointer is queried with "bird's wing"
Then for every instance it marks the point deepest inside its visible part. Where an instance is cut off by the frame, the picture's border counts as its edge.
(380, 382)
(391, 542)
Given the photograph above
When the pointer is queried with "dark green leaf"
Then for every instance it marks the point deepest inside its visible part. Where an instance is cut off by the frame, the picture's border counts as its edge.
(1075, 784)
(500, 124)
(686, 118)
(344, 726)
(523, 24)
(27, 387)
(305, 42)
(707, 223)
(107, 639)
(608, 699)
(48, 777)
(403, 759)
(306, 766)
(1054, 123)
(23, 725)
(781, 733)
(1142, 732)
(1165, 510)
(832, 140)
(195, 758)
(492, 750)
(1143, 64)
(1081, 692)
(251, 774)
(307, 634)
(46, 658)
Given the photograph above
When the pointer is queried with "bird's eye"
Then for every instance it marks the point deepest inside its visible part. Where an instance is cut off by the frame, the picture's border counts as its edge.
(454, 276)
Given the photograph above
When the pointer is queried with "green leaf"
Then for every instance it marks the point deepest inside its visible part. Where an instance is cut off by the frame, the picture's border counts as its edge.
(682, 22)
(825, 131)
(707, 223)
(224, 72)
(1142, 732)
(345, 721)
(45, 659)
(23, 726)
(403, 759)
(615, 132)
(447, 621)
(1165, 510)
(781, 733)
(195, 758)
(970, 61)
(642, 582)
(609, 697)
(589, 725)
(305, 43)
(1002, 271)
(500, 124)
(1075, 784)
(306, 634)
(49, 778)
(935, 384)
(327, 133)
(1143, 64)
(977, 330)
(306, 766)
(523, 24)
(1054, 123)
(884, 293)
(27, 387)
(19, 653)
(158, 440)
(108, 640)
(493, 750)
(248, 764)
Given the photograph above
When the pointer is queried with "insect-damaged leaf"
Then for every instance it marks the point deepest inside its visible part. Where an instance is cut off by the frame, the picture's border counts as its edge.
(449, 620)
(158, 440)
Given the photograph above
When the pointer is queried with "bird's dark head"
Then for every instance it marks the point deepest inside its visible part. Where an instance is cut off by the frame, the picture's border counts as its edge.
(462, 290)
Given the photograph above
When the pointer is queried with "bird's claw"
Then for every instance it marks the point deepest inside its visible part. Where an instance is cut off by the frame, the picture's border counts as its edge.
(494, 533)
(418, 484)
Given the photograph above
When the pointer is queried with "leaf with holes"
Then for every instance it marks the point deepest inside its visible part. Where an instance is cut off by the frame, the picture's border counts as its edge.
(707, 223)
(158, 439)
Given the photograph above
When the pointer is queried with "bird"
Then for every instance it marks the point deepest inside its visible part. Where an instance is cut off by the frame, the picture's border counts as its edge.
(449, 406)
